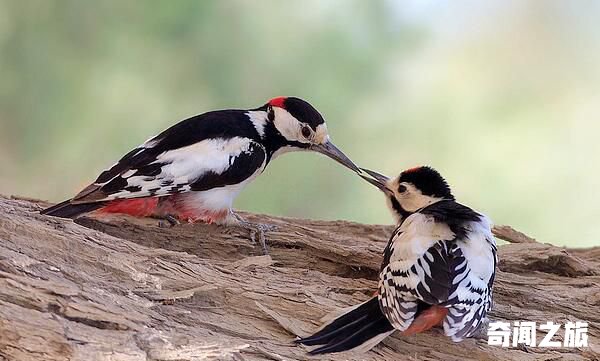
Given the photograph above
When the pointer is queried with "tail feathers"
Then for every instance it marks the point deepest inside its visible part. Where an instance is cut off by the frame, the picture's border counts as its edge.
(68, 210)
(361, 328)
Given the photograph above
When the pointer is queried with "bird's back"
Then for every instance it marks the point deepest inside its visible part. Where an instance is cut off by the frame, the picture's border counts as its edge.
(219, 149)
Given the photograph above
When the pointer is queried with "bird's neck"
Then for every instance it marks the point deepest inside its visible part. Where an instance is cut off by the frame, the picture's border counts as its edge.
(275, 144)
(267, 134)
(399, 213)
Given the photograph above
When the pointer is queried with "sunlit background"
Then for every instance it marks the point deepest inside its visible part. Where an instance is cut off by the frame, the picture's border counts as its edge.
(503, 97)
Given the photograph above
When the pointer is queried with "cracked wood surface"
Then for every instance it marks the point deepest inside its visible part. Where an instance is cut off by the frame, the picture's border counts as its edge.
(125, 289)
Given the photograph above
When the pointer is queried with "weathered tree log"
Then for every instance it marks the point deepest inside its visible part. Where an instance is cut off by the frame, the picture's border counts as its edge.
(125, 289)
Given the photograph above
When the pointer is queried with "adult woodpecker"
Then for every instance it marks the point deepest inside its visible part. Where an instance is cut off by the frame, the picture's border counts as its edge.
(193, 171)
(438, 268)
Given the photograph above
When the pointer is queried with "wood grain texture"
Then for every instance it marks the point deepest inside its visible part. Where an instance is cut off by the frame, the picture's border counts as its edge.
(125, 289)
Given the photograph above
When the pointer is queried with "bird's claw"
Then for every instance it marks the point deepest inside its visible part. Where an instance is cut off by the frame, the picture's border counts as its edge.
(168, 221)
(261, 239)
(257, 230)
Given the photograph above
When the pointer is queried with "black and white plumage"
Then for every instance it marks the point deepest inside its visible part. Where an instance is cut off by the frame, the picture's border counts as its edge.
(194, 170)
(438, 268)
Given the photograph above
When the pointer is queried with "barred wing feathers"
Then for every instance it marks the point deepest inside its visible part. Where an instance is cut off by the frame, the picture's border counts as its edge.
(444, 255)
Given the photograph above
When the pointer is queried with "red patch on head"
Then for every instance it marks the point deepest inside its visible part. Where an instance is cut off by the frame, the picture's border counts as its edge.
(414, 169)
(278, 102)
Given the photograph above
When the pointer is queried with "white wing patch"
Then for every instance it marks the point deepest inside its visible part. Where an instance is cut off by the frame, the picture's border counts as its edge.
(258, 119)
(182, 166)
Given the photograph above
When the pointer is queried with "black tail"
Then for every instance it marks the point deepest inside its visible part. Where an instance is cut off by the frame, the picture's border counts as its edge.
(364, 325)
(68, 210)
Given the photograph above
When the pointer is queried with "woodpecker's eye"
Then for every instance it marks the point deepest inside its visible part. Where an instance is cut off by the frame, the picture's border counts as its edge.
(306, 132)
(401, 188)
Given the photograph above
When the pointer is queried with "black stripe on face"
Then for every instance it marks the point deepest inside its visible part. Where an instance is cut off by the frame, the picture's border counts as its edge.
(273, 141)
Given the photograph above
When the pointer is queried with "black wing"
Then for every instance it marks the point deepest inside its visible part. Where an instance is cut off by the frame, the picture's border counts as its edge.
(206, 151)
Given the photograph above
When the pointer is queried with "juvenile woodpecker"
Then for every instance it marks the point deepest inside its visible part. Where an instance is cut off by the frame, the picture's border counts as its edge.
(438, 268)
(193, 171)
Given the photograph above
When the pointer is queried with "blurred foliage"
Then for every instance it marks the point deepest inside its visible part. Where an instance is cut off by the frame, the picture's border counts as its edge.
(502, 97)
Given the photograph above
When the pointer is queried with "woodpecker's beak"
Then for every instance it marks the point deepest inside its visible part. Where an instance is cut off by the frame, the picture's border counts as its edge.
(330, 150)
(378, 180)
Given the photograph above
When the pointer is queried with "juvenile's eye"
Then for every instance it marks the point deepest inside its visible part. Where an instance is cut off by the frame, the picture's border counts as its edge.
(401, 188)
(306, 132)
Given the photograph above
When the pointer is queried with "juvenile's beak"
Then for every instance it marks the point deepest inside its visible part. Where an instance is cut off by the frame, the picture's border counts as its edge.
(330, 150)
(378, 180)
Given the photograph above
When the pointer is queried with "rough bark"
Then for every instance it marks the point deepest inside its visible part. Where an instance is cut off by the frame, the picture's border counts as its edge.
(125, 289)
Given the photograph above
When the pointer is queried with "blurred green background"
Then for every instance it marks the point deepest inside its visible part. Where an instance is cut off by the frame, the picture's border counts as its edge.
(503, 97)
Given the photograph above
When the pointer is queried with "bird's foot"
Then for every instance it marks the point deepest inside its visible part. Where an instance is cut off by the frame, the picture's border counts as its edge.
(257, 231)
(167, 221)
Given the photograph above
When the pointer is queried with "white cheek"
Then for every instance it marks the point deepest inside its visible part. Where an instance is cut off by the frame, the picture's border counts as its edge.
(412, 199)
(415, 200)
(286, 124)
